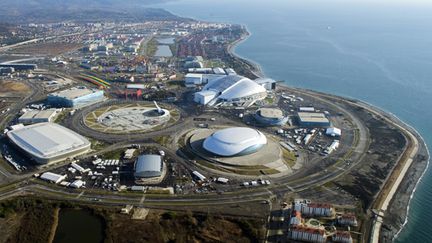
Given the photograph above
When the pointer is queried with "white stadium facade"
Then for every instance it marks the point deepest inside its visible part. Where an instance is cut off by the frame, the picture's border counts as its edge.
(231, 89)
(49, 142)
(235, 141)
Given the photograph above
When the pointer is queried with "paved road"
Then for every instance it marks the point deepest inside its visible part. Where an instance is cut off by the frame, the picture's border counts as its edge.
(280, 185)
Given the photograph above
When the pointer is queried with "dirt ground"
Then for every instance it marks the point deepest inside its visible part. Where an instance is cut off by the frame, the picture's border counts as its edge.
(8, 88)
(9, 226)
(50, 48)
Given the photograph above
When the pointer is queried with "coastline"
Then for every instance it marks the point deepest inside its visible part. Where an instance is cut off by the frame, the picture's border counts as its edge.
(407, 179)
(54, 225)
(256, 68)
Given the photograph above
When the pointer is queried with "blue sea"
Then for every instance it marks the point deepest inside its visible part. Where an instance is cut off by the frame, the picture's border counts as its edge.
(376, 51)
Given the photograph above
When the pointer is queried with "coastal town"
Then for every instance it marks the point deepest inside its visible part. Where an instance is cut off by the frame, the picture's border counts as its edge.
(158, 121)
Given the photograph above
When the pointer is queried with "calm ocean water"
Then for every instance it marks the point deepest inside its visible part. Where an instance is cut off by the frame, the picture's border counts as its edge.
(379, 53)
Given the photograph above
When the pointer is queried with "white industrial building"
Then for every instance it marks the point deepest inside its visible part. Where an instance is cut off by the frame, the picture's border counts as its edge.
(135, 86)
(77, 184)
(313, 119)
(75, 97)
(333, 131)
(235, 141)
(231, 89)
(49, 142)
(333, 146)
(37, 116)
(52, 177)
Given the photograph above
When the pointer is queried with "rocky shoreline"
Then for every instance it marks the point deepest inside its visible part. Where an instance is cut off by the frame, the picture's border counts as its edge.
(397, 213)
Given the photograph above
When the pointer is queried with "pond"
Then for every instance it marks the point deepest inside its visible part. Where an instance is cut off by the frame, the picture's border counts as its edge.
(163, 51)
(78, 226)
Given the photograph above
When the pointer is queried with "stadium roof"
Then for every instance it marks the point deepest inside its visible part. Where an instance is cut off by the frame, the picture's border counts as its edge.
(234, 141)
(234, 86)
(148, 165)
(47, 140)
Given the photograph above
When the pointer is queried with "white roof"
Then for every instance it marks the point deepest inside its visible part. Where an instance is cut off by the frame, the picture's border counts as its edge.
(49, 176)
(47, 140)
(333, 131)
(207, 93)
(234, 140)
(148, 162)
(194, 75)
(264, 80)
(218, 70)
(243, 88)
(77, 184)
(234, 86)
(135, 86)
(38, 114)
(74, 92)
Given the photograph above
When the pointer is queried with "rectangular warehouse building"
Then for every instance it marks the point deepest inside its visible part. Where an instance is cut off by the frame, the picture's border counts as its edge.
(75, 97)
(36, 116)
(312, 119)
(49, 142)
(149, 165)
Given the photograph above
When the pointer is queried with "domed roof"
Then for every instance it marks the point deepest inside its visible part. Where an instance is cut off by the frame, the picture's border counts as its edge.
(235, 141)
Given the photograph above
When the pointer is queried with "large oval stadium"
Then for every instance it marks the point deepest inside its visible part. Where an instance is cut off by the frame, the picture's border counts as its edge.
(238, 150)
(235, 141)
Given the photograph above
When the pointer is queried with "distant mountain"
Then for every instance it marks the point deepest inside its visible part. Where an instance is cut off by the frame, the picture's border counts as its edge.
(76, 3)
(26, 11)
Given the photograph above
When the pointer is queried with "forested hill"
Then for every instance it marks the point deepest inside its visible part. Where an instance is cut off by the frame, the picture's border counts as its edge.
(39, 11)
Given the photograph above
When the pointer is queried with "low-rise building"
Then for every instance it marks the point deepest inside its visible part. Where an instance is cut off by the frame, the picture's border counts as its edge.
(333, 146)
(333, 132)
(52, 177)
(314, 209)
(313, 119)
(36, 116)
(77, 184)
(347, 220)
(270, 117)
(129, 153)
(342, 237)
(306, 234)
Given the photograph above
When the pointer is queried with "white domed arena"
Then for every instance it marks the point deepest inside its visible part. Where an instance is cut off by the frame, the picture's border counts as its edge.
(235, 141)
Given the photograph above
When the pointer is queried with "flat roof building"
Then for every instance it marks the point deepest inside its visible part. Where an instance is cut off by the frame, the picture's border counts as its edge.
(37, 116)
(49, 142)
(312, 119)
(334, 132)
(75, 97)
(149, 165)
(19, 66)
(52, 177)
